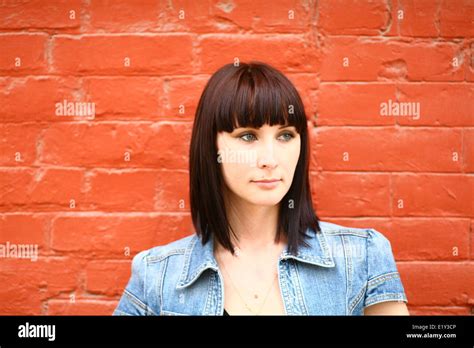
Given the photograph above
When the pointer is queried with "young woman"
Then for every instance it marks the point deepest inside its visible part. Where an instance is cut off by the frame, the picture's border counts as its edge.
(259, 247)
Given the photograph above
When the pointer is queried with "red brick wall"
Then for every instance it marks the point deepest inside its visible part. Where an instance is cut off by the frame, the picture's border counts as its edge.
(91, 193)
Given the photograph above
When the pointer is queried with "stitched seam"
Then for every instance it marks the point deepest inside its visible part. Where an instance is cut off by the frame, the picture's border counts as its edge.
(362, 233)
(160, 285)
(382, 279)
(347, 262)
(298, 288)
(284, 288)
(135, 300)
(158, 258)
(145, 272)
(366, 285)
(358, 298)
(385, 298)
(187, 257)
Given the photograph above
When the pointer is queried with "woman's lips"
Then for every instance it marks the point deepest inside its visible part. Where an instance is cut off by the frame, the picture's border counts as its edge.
(267, 184)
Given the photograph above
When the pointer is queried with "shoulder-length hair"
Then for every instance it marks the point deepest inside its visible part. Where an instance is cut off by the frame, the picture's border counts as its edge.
(247, 95)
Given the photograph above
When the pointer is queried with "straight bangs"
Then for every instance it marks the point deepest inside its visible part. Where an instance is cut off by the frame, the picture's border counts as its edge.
(254, 97)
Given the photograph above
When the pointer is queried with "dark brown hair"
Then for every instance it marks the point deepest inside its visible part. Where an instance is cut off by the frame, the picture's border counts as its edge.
(247, 95)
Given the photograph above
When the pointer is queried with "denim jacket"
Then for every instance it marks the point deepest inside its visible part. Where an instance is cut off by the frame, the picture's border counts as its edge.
(342, 271)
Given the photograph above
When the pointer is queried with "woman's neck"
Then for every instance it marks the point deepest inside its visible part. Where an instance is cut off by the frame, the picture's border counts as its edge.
(254, 226)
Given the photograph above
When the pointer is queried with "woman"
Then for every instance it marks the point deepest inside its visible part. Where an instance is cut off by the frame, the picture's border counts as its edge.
(259, 247)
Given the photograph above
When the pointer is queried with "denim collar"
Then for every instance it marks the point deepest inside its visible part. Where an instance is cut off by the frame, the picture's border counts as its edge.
(200, 257)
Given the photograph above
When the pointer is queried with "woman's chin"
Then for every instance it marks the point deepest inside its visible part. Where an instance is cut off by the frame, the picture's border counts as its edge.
(265, 201)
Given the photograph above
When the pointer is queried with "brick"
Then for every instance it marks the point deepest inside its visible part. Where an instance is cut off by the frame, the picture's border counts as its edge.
(422, 239)
(121, 191)
(23, 54)
(432, 195)
(449, 108)
(388, 149)
(340, 194)
(307, 86)
(131, 16)
(123, 54)
(41, 15)
(22, 295)
(14, 186)
(107, 278)
(455, 18)
(289, 53)
(469, 57)
(23, 229)
(120, 98)
(186, 15)
(376, 60)
(468, 155)
(28, 99)
(172, 192)
(353, 17)
(18, 144)
(353, 104)
(472, 240)
(56, 187)
(61, 275)
(182, 94)
(455, 287)
(313, 165)
(419, 18)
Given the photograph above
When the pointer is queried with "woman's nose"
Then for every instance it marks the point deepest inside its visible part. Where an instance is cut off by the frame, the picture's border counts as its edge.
(266, 155)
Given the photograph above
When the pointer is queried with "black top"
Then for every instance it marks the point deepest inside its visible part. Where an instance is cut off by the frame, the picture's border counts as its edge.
(225, 312)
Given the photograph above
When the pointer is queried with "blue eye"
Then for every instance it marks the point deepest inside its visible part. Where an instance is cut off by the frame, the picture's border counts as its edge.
(246, 134)
(290, 136)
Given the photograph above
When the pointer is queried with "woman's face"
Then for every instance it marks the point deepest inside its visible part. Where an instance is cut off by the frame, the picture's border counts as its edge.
(248, 155)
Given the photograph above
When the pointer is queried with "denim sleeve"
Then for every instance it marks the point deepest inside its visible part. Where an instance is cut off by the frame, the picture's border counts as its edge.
(384, 282)
(133, 300)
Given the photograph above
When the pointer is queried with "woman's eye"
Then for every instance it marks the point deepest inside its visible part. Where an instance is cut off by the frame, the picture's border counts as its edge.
(289, 136)
(247, 134)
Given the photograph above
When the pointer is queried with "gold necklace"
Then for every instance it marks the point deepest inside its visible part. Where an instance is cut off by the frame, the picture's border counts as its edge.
(242, 299)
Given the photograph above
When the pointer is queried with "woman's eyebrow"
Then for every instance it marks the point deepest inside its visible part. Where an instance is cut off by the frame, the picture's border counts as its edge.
(281, 127)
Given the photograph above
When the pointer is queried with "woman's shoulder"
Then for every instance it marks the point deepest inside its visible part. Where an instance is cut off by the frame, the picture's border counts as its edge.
(367, 237)
(366, 244)
(369, 253)
(368, 248)
(160, 252)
